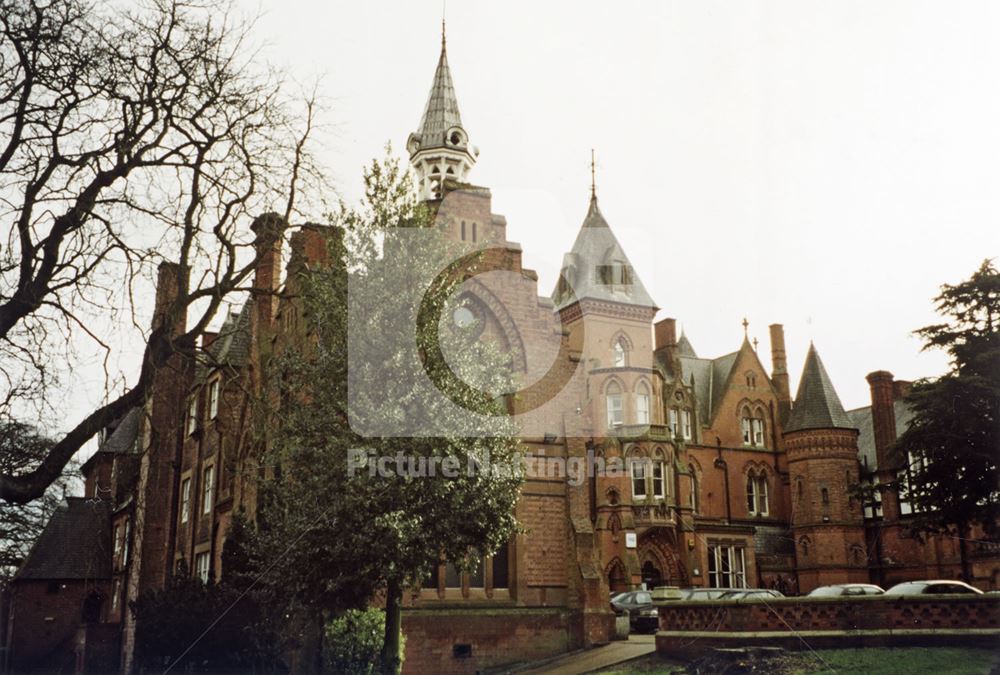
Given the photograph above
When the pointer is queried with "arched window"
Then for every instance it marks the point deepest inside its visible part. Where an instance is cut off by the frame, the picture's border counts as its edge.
(757, 493)
(672, 422)
(642, 403)
(763, 505)
(616, 413)
(824, 495)
(798, 482)
(752, 425)
(804, 543)
(637, 467)
(659, 475)
(686, 426)
(619, 353)
(746, 426)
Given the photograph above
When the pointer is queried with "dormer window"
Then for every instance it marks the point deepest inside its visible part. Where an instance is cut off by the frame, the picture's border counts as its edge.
(615, 274)
(752, 425)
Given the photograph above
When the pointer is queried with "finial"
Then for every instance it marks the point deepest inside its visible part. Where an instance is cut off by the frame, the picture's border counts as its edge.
(593, 175)
(755, 344)
(746, 324)
(444, 7)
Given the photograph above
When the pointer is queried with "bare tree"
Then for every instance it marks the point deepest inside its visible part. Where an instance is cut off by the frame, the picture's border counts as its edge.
(128, 138)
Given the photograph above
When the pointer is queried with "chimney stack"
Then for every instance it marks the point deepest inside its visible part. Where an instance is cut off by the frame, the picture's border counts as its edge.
(883, 392)
(269, 229)
(779, 370)
(665, 332)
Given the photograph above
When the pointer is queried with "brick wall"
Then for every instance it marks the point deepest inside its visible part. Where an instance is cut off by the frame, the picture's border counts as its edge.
(687, 628)
(436, 638)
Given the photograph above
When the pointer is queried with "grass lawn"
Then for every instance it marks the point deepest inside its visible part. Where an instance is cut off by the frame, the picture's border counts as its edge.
(887, 661)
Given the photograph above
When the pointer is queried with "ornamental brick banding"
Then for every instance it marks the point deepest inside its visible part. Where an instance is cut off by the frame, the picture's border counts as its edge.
(689, 629)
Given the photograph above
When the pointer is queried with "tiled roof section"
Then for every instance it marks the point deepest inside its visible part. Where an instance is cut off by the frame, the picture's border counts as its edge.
(441, 112)
(861, 419)
(122, 439)
(709, 377)
(233, 344)
(596, 247)
(75, 544)
(817, 405)
(684, 347)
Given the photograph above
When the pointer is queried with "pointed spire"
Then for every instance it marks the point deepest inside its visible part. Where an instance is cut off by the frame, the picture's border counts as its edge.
(684, 347)
(817, 405)
(441, 112)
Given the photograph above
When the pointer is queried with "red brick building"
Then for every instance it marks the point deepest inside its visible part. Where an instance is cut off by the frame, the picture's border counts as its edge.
(739, 484)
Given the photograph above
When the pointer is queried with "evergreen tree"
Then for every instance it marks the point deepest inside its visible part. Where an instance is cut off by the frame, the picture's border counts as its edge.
(951, 449)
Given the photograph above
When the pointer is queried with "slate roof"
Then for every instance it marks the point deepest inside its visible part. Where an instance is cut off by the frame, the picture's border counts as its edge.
(684, 347)
(75, 544)
(441, 112)
(709, 377)
(232, 346)
(596, 245)
(817, 405)
(122, 439)
(861, 419)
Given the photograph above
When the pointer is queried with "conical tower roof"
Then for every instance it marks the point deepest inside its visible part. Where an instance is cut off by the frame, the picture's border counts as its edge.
(684, 347)
(598, 268)
(441, 112)
(817, 405)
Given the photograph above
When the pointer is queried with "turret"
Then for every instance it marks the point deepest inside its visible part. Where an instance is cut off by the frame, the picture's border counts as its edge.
(822, 447)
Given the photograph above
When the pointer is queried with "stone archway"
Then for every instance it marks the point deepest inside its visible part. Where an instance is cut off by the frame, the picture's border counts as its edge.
(651, 575)
(658, 548)
(618, 580)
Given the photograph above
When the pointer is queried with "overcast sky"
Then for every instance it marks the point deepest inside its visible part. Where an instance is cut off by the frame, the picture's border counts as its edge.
(822, 165)
(825, 165)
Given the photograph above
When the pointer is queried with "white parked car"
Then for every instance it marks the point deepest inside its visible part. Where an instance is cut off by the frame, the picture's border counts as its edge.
(837, 590)
(934, 587)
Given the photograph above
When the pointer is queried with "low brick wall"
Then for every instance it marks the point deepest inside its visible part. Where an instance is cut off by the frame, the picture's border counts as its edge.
(688, 629)
(470, 640)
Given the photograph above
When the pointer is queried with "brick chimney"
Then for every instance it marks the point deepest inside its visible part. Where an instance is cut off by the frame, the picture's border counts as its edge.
(883, 392)
(665, 332)
(779, 370)
(269, 229)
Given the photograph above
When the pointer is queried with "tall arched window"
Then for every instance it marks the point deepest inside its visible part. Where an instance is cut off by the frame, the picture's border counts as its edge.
(659, 475)
(757, 493)
(757, 426)
(642, 403)
(637, 468)
(746, 426)
(619, 353)
(616, 413)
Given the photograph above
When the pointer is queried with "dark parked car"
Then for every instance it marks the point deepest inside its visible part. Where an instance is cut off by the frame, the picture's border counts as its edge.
(751, 593)
(838, 590)
(642, 615)
(934, 587)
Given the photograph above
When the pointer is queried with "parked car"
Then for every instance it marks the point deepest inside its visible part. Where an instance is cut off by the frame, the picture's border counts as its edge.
(705, 593)
(642, 615)
(837, 590)
(751, 593)
(933, 587)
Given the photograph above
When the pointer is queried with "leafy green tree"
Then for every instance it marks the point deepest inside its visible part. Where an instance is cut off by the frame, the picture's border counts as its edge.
(333, 530)
(951, 449)
(353, 642)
